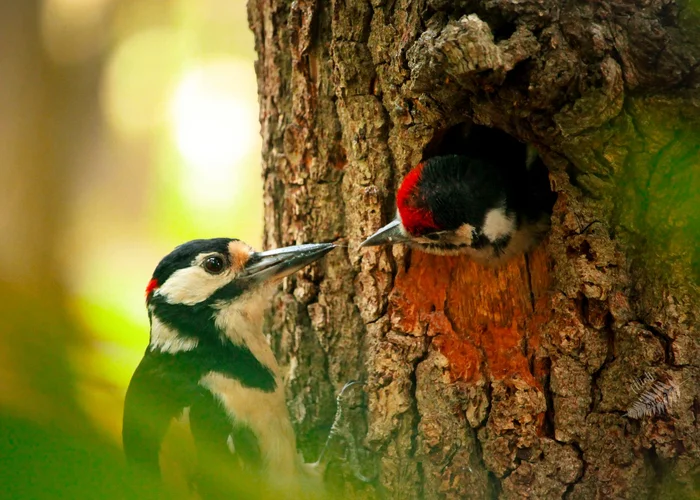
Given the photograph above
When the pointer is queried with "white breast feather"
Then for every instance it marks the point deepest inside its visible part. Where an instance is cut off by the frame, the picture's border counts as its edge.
(265, 413)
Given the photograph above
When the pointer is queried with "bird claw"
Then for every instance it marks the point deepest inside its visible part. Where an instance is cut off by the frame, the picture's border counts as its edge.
(341, 430)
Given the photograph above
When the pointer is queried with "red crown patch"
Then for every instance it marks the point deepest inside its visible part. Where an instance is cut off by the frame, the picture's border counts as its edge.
(152, 285)
(417, 220)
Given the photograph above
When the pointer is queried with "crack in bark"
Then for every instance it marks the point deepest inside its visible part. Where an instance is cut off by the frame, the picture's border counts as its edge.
(416, 418)
(530, 287)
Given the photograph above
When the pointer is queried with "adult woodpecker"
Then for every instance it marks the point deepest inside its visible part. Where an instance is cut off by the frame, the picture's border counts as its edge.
(207, 353)
(491, 202)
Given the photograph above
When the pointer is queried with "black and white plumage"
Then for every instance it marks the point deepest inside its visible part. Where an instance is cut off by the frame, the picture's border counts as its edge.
(207, 353)
(492, 201)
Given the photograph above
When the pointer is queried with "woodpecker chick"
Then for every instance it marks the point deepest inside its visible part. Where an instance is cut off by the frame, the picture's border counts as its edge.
(207, 353)
(490, 204)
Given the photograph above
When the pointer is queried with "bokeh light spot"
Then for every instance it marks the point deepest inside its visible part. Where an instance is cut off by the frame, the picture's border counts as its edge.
(139, 79)
(215, 126)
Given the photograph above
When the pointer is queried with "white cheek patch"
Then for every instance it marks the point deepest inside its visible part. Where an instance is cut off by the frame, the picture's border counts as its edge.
(165, 339)
(193, 284)
(498, 224)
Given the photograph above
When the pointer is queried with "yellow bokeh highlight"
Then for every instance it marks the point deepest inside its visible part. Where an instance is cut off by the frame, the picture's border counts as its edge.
(214, 123)
(139, 78)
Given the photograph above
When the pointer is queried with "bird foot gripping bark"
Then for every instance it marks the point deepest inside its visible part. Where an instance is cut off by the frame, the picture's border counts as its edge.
(342, 431)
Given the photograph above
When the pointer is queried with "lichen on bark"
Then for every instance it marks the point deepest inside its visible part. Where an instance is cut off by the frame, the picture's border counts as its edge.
(509, 382)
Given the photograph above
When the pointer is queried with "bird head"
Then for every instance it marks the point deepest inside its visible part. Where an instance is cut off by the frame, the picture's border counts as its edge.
(201, 278)
(449, 204)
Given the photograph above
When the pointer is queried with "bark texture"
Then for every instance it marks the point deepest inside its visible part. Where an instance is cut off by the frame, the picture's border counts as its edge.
(485, 383)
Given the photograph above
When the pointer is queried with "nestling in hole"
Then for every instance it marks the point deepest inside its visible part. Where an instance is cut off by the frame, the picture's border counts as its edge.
(481, 193)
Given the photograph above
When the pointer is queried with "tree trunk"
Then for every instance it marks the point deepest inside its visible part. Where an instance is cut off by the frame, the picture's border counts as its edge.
(488, 383)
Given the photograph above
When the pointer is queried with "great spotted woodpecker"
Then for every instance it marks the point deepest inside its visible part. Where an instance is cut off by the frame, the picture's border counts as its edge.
(207, 353)
(492, 202)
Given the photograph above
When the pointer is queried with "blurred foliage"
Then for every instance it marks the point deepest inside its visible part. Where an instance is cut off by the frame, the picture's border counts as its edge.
(128, 127)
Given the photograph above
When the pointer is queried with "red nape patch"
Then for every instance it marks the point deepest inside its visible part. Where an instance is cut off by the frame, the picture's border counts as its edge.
(416, 219)
(152, 285)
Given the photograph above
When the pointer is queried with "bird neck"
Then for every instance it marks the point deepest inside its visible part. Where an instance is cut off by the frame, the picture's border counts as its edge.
(178, 328)
(194, 341)
(241, 323)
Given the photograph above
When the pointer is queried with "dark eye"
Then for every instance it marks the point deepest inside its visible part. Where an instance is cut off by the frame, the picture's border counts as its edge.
(433, 236)
(213, 265)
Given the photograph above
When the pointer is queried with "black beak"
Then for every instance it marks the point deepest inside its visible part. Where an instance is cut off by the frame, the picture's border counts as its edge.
(388, 235)
(274, 264)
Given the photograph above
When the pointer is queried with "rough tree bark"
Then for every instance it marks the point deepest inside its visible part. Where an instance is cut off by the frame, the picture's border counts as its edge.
(487, 383)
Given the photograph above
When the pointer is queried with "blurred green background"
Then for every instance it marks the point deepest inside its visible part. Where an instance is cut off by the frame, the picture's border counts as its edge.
(126, 128)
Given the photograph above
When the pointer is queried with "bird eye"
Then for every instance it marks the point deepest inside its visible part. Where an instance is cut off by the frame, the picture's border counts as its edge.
(433, 236)
(213, 265)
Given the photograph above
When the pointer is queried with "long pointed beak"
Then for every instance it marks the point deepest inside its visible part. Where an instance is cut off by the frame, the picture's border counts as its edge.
(388, 235)
(281, 262)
